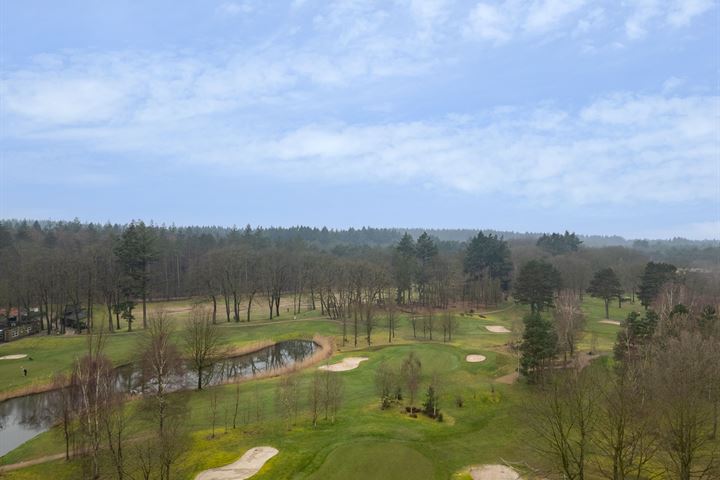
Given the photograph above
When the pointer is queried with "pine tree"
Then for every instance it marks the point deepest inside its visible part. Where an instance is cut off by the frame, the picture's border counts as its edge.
(136, 251)
(653, 278)
(536, 285)
(539, 345)
(606, 285)
(404, 267)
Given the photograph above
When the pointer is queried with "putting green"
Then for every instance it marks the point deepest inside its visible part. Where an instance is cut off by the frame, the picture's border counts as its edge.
(376, 460)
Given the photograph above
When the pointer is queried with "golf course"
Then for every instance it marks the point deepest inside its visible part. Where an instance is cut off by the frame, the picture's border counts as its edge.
(483, 420)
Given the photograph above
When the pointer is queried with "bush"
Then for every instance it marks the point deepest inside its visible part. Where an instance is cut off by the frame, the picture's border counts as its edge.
(440, 417)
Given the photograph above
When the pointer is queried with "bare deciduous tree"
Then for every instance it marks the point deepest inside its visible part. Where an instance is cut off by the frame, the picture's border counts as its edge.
(677, 378)
(62, 407)
(569, 322)
(315, 392)
(564, 420)
(624, 429)
(286, 397)
(202, 342)
(94, 379)
(410, 373)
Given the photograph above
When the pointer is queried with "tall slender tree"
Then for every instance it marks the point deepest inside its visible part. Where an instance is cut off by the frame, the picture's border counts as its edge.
(136, 251)
(606, 285)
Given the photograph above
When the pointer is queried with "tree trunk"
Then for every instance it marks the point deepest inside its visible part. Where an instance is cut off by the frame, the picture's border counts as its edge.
(144, 300)
(214, 314)
(607, 308)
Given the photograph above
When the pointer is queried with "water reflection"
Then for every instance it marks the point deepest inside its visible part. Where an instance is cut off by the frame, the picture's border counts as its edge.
(23, 418)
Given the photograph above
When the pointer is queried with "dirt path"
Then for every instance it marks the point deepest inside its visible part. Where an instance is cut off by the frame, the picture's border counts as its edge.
(278, 322)
(30, 463)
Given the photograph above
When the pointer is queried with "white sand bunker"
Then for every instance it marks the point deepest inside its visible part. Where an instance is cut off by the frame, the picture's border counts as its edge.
(475, 358)
(610, 322)
(493, 472)
(13, 357)
(497, 329)
(247, 466)
(349, 363)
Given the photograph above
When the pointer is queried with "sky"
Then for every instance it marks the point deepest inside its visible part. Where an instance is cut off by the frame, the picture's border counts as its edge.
(600, 117)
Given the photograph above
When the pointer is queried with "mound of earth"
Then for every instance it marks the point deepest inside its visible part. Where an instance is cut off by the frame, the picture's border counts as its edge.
(610, 322)
(497, 329)
(14, 357)
(247, 466)
(493, 472)
(349, 363)
(473, 358)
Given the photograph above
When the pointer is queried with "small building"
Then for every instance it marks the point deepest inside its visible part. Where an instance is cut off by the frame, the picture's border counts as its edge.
(75, 317)
(17, 324)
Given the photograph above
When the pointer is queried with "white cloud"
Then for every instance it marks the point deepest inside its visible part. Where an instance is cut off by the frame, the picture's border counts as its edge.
(545, 15)
(429, 15)
(663, 13)
(490, 22)
(278, 108)
(682, 12)
(671, 84)
(505, 20)
(619, 149)
(236, 8)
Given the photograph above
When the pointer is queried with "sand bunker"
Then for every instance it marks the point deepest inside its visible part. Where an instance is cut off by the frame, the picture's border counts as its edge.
(247, 466)
(349, 363)
(497, 329)
(610, 322)
(13, 357)
(493, 472)
(475, 358)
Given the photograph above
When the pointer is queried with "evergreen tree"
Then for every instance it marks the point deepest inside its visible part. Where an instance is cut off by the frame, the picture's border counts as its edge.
(488, 255)
(653, 278)
(536, 285)
(539, 345)
(136, 252)
(557, 244)
(638, 332)
(404, 267)
(426, 252)
(431, 405)
(606, 285)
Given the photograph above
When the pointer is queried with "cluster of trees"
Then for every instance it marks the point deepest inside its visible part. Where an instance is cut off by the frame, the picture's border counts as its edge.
(653, 408)
(90, 403)
(404, 383)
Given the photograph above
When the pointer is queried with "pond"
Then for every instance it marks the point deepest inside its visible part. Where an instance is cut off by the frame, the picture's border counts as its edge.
(23, 418)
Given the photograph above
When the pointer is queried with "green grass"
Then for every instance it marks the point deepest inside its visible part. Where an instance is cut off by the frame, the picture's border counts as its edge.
(365, 442)
(377, 460)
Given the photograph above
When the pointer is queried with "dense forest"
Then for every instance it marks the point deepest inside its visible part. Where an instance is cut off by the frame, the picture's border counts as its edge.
(50, 267)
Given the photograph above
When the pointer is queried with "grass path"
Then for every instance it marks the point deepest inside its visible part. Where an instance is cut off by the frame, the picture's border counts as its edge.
(30, 463)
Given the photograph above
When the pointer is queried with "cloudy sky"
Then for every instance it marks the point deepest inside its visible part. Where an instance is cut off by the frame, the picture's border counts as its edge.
(530, 115)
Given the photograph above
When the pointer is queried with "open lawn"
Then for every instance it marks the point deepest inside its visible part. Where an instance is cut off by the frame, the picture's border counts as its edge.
(365, 441)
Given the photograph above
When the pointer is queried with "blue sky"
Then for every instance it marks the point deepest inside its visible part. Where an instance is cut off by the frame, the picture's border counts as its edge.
(531, 115)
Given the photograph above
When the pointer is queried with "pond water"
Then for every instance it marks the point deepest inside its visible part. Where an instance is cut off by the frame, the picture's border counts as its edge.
(25, 417)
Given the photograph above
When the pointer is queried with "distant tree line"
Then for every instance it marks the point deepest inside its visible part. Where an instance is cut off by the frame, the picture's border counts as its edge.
(60, 269)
